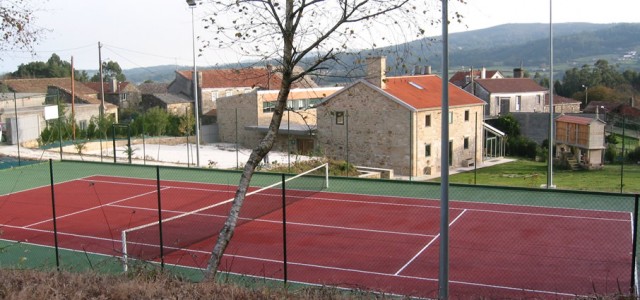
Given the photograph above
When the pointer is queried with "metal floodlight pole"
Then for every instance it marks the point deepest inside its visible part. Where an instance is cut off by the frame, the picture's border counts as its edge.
(443, 274)
(192, 5)
(551, 131)
(15, 110)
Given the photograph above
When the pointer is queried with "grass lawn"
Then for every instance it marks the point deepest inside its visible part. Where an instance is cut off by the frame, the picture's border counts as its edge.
(526, 173)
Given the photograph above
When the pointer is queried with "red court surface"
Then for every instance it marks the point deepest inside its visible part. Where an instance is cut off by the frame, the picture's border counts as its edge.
(385, 244)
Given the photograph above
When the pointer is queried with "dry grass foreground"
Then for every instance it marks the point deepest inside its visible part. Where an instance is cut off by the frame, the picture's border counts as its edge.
(30, 284)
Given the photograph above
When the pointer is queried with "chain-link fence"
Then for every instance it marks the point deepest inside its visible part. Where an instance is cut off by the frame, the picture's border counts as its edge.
(381, 235)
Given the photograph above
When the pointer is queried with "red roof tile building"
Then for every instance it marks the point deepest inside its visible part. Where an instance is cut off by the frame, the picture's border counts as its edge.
(394, 123)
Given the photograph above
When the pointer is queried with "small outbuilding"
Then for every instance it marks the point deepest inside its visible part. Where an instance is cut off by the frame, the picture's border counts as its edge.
(580, 142)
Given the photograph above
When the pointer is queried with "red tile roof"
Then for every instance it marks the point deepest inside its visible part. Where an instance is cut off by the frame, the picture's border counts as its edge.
(511, 85)
(425, 91)
(601, 106)
(107, 86)
(575, 120)
(557, 99)
(40, 85)
(248, 77)
(629, 111)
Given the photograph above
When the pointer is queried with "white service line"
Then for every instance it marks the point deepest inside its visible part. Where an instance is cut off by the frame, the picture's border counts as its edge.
(427, 246)
(92, 208)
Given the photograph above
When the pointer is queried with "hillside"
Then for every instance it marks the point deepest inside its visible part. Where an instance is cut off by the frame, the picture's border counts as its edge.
(501, 47)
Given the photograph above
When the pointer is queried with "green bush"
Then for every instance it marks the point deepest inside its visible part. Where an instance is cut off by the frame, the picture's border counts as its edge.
(610, 154)
(634, 155)
(522, 146)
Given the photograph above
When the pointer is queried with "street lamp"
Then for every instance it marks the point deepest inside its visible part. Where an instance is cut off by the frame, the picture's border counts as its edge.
(192, 5)
(586, 95)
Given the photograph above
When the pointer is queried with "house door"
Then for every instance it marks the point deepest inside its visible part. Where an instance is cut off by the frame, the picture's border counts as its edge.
(504, 106)
(305, 146)
(491, 146)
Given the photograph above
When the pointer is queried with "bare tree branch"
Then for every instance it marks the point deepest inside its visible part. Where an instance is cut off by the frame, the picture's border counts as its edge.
(288, 31)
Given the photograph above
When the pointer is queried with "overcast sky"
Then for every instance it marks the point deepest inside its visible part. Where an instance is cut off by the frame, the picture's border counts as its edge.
(142, 33)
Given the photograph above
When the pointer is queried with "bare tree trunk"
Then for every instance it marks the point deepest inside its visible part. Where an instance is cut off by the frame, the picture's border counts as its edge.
(258, 153)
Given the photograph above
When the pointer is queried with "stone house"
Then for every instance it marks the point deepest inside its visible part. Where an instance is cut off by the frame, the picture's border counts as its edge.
(174, 104)
(394, 123)
(122, 94)
(245, 118)
(580, 141)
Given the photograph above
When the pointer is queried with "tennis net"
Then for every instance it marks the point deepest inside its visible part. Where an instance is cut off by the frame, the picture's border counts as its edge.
(157, 239)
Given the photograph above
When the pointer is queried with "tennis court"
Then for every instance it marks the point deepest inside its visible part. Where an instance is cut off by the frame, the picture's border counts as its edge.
(383, 243)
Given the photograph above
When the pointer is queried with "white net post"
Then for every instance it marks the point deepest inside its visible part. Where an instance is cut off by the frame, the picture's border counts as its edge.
(125, 258)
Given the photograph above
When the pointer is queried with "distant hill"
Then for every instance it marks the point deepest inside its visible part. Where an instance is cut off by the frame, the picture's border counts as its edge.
(501, 47)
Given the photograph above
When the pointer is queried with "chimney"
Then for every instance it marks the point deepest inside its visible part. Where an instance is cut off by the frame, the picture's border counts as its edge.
(416, 70)
(375, 73)
(114, 85)
(518, 73)
(427, 70)
(483, 73)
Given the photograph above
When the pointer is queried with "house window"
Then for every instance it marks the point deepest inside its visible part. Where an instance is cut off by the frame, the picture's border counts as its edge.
(123, 97)
(339, 118)
(466, 142)
(228, 93)
(450, 117)
(466, 115)
(214, 96)
(427, 121)
(268, 106)
(538, 99)
(518, 102)
(427, 150)
(83, 124)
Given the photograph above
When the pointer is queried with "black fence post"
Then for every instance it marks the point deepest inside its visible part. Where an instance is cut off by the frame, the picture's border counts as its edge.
(53, 209)
(160, 218)
(284, 229)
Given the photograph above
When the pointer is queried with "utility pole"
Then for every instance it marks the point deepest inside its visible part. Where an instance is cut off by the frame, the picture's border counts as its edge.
(73, 102)
(101, 81)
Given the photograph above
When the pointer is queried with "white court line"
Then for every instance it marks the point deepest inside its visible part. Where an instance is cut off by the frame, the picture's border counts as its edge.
(92, 208)
(44, 186)
(91, 237)
(271, 260)
(427, 245)
(280, 222)
(155, 185)
(403, 204)
(384, 274)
